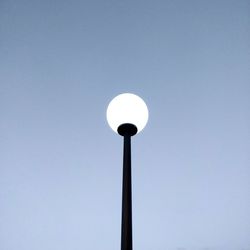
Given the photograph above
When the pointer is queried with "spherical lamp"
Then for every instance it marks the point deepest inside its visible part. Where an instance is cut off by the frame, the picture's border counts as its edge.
(127, 108)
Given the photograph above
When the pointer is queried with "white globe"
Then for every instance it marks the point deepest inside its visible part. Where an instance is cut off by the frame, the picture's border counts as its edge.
(127, 108)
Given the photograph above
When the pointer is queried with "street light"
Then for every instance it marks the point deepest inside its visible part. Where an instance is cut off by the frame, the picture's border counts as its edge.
(127, 115)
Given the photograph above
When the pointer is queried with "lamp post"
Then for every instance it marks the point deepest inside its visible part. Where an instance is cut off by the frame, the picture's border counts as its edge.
(127, 115)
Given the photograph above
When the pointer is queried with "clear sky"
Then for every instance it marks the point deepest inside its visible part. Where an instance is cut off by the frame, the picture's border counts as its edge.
(61, 62)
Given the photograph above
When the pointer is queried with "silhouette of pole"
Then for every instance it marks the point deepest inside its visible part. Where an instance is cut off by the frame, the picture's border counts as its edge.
(126, 130)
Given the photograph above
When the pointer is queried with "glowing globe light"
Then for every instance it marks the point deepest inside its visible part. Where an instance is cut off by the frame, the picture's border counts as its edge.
(127, 108)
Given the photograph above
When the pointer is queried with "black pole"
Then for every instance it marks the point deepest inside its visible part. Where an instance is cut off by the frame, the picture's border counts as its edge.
(127, 130)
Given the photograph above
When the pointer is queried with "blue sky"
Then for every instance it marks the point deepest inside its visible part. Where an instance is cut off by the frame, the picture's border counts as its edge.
(61, 62)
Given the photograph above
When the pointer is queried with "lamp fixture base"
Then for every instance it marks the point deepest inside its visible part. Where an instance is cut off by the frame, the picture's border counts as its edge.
(127, 129)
